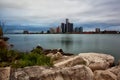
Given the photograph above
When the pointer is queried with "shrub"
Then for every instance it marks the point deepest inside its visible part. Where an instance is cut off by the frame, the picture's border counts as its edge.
(17, 59)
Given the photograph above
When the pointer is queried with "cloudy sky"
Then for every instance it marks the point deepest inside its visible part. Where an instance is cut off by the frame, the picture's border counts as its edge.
(48, 13)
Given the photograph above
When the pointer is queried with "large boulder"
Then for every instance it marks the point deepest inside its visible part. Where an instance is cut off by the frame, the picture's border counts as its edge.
(5, 73)
(104, 75)
(112, 73)
(118, 76)
(72, 61)
(79, 72)
(115, 70)
(56, 56)
(98, 61)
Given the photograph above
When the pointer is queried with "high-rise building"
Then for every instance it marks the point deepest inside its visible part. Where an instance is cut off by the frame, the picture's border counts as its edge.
(81, 29)
(97, 30)
(71, 27)
(63, 27)
(67, 27)
(58, 29)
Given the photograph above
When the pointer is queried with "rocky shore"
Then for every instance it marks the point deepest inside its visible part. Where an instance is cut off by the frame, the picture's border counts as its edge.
(84, 66)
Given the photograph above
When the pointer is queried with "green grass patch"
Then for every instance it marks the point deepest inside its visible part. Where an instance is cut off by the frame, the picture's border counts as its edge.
(19, 60)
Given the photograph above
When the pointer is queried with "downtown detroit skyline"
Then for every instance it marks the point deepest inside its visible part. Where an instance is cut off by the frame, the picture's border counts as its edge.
(43, 14)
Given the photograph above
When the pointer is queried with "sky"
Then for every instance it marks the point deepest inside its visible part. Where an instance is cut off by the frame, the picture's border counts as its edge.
(37, 14)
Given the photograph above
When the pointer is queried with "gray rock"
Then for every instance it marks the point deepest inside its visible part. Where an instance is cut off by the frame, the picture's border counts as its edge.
(75, 60)
(115, 70)
(56, 56)
(5, 73)
(104, 75)
(97, 61)
(79, 72)
(118, 76)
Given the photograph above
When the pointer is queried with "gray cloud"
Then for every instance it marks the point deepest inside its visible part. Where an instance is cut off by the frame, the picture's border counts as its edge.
(50, 11)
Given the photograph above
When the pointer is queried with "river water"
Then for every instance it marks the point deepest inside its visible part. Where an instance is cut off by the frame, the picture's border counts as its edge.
(72, 43)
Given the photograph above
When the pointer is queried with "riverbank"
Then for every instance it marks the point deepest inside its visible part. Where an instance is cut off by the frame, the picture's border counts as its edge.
(37, 66)
(85, 66)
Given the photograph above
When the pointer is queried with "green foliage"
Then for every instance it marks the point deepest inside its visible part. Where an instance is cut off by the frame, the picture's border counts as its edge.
(3, 54)
(4, 64)
(17, 59)
(37, 50)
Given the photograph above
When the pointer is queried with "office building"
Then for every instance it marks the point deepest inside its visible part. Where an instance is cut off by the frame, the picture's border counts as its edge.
(80, 29)
(67, 27)
(97, 30)
(63, 27)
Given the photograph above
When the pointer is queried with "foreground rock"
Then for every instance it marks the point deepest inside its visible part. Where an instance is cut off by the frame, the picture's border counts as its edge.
(104, 75)
(109, 74)
(115, 70)
(79, 72)
(77, 67)
(96, 61)
(72, 61)
(5, 73)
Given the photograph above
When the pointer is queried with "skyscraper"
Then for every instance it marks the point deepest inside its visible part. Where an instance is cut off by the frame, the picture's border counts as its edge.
(63, 27)
(67, 27)
(71, 27)
(80, 29)
(97, 30)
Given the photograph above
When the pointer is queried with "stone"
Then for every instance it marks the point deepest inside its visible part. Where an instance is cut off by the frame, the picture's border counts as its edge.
(77, 60)
(104, 75)
(79, 72)
(98, 61)
(115, 70)
(56, 56)
(118, 76)
(5, 73)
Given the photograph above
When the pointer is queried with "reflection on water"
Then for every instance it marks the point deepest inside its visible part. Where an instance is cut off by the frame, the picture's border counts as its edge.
(66, 42)
(73, 43)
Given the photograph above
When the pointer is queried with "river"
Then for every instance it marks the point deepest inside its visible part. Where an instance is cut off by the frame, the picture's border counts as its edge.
(72, 43)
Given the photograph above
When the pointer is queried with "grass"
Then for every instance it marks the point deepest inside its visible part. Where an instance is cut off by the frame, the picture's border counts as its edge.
(19, 60)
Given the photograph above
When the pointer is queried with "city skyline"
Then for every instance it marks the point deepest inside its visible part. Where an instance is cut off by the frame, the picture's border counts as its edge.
(104, 14)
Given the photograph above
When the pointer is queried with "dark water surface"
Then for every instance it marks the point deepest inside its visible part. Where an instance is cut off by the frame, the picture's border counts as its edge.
(72, 43)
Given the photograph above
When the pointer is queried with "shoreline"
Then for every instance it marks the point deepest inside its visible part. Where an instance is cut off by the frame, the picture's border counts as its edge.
(94, 66)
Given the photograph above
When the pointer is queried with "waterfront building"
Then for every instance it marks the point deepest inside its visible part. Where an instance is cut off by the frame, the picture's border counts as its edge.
(52, 30)
(67, 27)
(77, 29)
(80, 29)
(63, 27)
(70, 27)
(58, 29)
(25, 32)
(97, 30)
